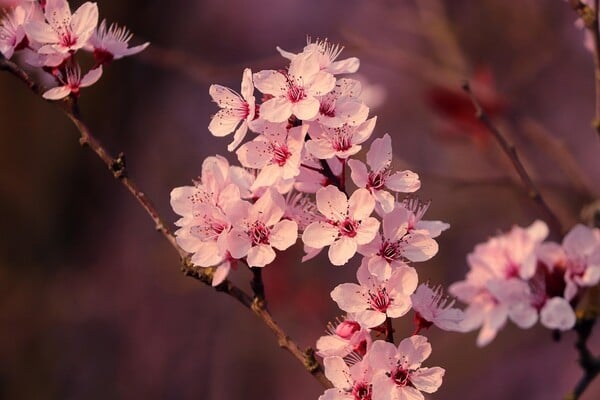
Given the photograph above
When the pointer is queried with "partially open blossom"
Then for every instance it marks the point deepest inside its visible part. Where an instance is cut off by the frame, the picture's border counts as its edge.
(63, 32)
(432, 308)
(347, 225)
(349, 336)
(380, 178)
(373, 299)
(295, 91)
(237, 111)
(397, 371)
(326, 54)
(73, 82)
(112, 43)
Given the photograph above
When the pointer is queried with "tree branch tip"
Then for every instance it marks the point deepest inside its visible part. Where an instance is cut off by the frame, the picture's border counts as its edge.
(118, 166)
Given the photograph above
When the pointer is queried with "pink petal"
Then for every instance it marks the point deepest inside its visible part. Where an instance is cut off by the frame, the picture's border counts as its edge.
(342, 250)
(84, 21)
(320, 148)
(270, 82)
(322, 84)
(379, 156)
(223, 123)
(40, 32)
(255, 154)
(337, 372)
(332, 203)
(370, 318)
(91, 77)
(419, 248)
(404, 182)
(303, 68)
(238, 243)
(260, 255)
(225, 97)
(57, 93)
(221, 273)
(557, 313)
(238, 136)
(319, 234)
(415, 349)
(427, 380)
(367, 230)
(347, 66)
(277, 109)
(348, 297)
(305, 109)
(247, 88)
(284, 234)
(360, 204)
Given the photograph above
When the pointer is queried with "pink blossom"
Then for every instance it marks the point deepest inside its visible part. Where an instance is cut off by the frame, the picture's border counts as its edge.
(12, 34)
(295, 91)
(431, 307)
(374, 299)
(397, 372)
(63, 32)
(259, 228)
(236, 112)
(348, 223)
(326, 54)
(341, 142)
(416, 222)
(276, 153)
(342, 105)
(379, 158)
(349, 336)
(73, 82)
(578, 259)
(397, 244)
(350, 383)
(112, 43)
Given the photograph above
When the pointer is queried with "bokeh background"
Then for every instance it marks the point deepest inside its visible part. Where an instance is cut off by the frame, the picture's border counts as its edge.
(92, 303)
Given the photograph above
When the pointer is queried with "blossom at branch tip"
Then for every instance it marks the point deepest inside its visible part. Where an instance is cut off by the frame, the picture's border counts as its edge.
(397, 371)
(372, 300)
(326, 54)
(348, 223)
(73, 82)
(295, 91)
(112, 43)
(237, 111)
(63, 32)
(379, 159)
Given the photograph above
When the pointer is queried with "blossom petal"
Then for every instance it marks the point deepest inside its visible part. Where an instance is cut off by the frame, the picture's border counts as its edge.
(284, 234)
(270, 82)
(379, 156)
(57, 93)
(91, 77)
(360, 204)
(404, 182)
(338, 372)
(319, 234)
(367, 230)
(277, 109)
(84, 21)
(342, 250)
(415, 349)
(223, 122)
(557, 313)
(225, 97)
(427, 380)
(260, 255)
(358, 173)
(332, 203)
(348, 297)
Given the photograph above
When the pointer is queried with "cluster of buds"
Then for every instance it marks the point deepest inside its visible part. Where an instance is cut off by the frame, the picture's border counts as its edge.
(48, 35)
(519, 277)
(309, 126)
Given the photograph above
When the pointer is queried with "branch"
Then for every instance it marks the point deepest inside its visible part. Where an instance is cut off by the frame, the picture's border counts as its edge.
(587, 361)
(589, 16)
(117, 166)
(511, 152)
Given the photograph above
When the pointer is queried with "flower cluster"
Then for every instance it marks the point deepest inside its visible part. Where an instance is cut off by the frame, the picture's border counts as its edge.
(519, 277)
(309, 126)
(48, 35)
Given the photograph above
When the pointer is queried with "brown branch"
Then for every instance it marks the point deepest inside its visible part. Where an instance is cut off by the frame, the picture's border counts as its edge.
(117, 166)
(588, 362)
(510, 150)
(589, 16)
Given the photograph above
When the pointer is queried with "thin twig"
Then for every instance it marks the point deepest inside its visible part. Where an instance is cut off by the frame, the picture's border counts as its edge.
(117, 166)
(389, 330)
(511, 152)
(587, 361)
(589, 16)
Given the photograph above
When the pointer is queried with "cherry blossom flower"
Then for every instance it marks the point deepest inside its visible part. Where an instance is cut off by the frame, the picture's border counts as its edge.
(341, 142)
(397, 372)
(295, 91)
(342, 105)
(236, 112)
(12, 34)
(326, 54)
(578, 258)
(73, 82)
(379, 158)
(112, 43)
(432, 308)
(349, 336)
(63, 32)
(417, 210)
(374, 299)
(350, 383)
(348, 223)
(397, 244)
(276, 152)
(260, 229)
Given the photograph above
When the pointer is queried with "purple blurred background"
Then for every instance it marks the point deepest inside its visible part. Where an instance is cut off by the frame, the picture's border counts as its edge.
(92, 304)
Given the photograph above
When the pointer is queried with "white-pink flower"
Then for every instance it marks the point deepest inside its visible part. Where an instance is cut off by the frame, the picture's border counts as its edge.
(295, 91)
(375, 299)
(63, 32)
(326, 54)
(349, 336)
(350, 383)
(73, 82)
(259, 228)
(237, 111)
(276, 153)
(397, 372)
(432, 307)
(578, 257)
(380, 177)
(112, 43)
(348, 223)
(341, 142)
(342, 105)
(12, 33)
(397, 244)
